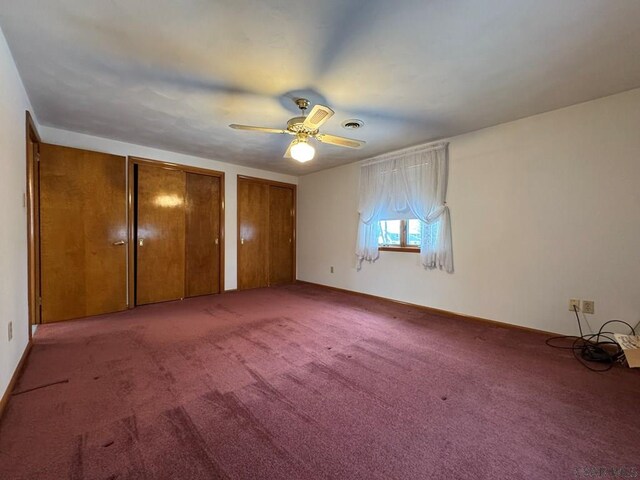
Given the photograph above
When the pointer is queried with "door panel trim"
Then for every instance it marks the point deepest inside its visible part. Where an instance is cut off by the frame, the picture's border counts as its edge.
(33, 221)
(175, 166)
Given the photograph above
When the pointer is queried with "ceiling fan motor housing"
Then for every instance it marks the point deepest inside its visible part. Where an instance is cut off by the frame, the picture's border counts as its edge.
(296, 124)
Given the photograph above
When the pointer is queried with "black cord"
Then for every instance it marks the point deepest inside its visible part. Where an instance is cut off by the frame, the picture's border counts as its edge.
(598, 347)
(575, 310)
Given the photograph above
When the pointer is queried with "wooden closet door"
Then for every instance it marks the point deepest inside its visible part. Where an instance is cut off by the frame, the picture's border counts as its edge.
(253, 234)
(83, 232)
(281, 235)
(202, 235)
(160, 247)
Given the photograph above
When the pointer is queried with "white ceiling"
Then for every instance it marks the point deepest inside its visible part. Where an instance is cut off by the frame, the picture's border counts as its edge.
(173, 74)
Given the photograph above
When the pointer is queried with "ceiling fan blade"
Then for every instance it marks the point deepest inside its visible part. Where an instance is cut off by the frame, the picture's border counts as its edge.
(287, 154)
(339, 141)
(317, 116)
(258, 129)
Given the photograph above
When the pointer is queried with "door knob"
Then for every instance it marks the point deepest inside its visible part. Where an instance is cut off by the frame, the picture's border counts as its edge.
(216, 241)
(242, 241)
(141, 241)
(118, 243)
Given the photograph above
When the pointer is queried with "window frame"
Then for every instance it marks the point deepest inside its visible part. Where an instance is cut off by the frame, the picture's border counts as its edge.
(403, 247)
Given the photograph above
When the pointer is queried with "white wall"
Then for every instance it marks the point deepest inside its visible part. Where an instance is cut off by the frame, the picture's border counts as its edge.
(13, 216)
(543, 209)
(98, 144)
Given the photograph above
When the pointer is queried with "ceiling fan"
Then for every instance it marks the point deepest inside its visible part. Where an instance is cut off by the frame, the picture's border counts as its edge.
(303, 128)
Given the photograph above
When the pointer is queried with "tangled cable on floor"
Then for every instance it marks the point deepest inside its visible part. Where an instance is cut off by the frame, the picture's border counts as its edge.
(598, 347)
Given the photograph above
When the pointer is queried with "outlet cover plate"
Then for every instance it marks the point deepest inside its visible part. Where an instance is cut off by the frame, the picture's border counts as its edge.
(574, 302)
(589, 306)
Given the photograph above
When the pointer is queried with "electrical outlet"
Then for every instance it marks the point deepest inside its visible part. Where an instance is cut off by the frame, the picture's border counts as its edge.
(574, 302)
(10, 330)
(589, 306)
(332, 269)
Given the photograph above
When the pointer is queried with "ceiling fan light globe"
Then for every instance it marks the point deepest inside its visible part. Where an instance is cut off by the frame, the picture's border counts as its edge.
(302, 152)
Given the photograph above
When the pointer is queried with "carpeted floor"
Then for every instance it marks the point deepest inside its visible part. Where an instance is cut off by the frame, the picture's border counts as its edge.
(298, 382)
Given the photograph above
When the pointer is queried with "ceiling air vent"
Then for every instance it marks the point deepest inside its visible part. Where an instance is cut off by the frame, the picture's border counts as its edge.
(352, 124)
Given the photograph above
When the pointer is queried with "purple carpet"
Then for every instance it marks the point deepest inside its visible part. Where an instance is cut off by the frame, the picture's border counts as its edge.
(299, 382)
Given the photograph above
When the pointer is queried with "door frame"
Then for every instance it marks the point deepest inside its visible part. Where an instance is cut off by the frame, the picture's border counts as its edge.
(32, 200)
(274, 183)
(131, 162)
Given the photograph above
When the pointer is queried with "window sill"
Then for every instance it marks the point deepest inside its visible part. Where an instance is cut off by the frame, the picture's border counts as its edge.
(400, 249)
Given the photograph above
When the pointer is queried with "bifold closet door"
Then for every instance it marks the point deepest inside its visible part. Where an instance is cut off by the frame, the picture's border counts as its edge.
(160, 235)
(281, 235)
(203, 202)
(83, 233)
(253, 234)
(266, 233)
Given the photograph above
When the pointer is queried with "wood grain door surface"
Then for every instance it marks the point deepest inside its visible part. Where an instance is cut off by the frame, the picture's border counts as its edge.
(160, 235)
(202, 235)
(266, 233)
(83, 233)
(281, 235)
(253, 234)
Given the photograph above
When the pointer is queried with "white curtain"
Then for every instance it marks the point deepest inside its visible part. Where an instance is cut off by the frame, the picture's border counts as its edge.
(411, 184)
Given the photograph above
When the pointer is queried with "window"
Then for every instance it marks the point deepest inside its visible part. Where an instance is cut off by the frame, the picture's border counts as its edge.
(414, 232)
(400, 235)
(390, 233)
(393, 189)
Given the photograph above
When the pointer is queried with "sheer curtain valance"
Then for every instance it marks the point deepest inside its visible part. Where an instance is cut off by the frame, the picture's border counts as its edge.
(410, 184)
